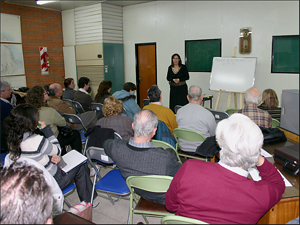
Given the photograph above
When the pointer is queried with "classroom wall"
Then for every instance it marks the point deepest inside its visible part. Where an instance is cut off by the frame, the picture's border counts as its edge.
(40, 27)
(170, 23)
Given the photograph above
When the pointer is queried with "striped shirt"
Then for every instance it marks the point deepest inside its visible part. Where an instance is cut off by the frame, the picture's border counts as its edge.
(260, 117)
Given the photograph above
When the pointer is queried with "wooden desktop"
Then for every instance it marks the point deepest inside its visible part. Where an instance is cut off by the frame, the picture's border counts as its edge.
(288, 207)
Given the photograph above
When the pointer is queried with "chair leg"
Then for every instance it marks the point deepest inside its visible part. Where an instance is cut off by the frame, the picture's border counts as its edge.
(146, 220)
(84, 150)
(92, 198)
(67, 203)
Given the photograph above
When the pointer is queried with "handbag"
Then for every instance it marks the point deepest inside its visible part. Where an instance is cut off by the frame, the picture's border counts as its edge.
(65, 131)
(82, 209)
(272, 135)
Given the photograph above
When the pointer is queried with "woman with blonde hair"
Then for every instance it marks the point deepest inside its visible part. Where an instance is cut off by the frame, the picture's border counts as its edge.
(112, 108)
(270, 103)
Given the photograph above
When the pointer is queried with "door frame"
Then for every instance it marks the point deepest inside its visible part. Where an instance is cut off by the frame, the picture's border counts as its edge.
(137, 66)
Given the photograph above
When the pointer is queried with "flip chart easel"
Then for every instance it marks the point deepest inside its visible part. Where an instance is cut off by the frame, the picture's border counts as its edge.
(230, 92)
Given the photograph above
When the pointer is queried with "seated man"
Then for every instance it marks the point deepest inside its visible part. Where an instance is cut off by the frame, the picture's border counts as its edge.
(128, 99)
(260, 117)
(195, 117)
(89, 119)
(26, 197)
(164, 114)
(237, 199)
(6, 107)
(140, 157)
(82, 96)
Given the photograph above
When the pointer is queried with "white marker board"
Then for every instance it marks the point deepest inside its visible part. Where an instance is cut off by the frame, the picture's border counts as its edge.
(232, 74)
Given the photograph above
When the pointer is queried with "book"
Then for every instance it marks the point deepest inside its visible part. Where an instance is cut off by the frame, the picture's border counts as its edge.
(71, 160)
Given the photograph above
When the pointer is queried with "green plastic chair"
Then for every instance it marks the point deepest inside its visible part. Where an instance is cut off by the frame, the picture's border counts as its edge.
(230, 111)
(188, 135)
(207, 108)
(165, 145)
(174, 219)
(275, 123)
(151, 183)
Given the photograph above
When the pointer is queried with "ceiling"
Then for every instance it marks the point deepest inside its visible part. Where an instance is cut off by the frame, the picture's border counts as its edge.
(65, 5)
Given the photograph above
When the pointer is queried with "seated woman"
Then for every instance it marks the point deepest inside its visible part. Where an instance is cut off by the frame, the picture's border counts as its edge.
(37, 96)
(103, 91)
(112, 109)
(24, 142)
(69, 91)
(270, 104)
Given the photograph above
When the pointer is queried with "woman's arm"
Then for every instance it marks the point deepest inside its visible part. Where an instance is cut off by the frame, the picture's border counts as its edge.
(184, 73)
(170, 74)
(51, 145)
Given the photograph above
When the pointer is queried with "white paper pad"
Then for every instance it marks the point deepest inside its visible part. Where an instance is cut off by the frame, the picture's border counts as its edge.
(265, 153)
(255, 176)
(73, 159)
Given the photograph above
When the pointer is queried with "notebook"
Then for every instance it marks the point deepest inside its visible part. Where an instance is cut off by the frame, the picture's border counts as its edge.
(71, 160)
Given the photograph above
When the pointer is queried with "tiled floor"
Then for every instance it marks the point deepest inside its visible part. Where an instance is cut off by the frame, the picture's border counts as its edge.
(106, 213)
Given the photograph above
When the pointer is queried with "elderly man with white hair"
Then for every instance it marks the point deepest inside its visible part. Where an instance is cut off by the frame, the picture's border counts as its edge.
(221, 193)
(252, 99)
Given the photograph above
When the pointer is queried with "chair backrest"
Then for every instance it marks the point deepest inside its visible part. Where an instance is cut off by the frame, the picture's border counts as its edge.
(146, 102)
(219, 115)
(69, 101)
(176, 108)
(275, 123)
(73, 119)
(230, 111)
(117, 136)
(188, 135)
(174, 219)
(78, 107)
(151, 183)
(165, 145)
(96, 106)
(124, 111)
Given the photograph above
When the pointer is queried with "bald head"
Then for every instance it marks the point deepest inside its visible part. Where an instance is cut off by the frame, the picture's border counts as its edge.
(253, 95)
(57, 89)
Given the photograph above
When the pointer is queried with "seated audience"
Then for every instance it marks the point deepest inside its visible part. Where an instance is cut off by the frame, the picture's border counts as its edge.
(128, 98)
(112, 109)
(26, 197)
(195, 117)
(270, 104)
(163, 113)
(82, 95)
(140, 157)
(37, 96)
(258, 116)
(23, 142)
(89, 119)
(103, 91)
(237, 199)
(6, 107)
(69, 89)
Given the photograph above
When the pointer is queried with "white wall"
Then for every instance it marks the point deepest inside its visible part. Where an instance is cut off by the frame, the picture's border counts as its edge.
(170, 23)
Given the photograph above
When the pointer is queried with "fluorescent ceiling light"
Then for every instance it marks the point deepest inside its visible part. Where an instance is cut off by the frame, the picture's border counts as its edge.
(41, 2)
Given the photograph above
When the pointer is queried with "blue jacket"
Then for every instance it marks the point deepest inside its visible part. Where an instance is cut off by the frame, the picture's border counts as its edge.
(129, 103)
(163, 134)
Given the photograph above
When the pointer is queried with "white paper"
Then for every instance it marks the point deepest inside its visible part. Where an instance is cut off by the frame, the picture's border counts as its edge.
(255, 176)
(265, 153)
(73, 159)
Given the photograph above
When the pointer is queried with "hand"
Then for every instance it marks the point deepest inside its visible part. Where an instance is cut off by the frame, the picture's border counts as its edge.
(55, 159)
(260, 161)
(176, 80)
(42, 123)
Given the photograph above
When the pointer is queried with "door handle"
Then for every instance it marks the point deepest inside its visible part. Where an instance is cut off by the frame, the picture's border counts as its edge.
(140, 80)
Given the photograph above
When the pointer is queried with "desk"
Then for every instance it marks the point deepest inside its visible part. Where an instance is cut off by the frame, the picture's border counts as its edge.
(288, 207)
(207, 98)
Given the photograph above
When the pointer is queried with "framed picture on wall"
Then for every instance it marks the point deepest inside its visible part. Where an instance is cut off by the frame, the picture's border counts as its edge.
(199, 54)
(285, 54)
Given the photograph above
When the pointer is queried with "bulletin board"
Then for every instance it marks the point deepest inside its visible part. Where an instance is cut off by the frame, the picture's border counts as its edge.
(199, 54)
(285, 54)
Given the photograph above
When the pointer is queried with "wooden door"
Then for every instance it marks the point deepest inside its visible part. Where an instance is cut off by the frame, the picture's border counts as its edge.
(145, 69)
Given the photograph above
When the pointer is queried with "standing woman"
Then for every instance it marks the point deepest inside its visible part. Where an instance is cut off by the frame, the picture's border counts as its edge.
(177, 75)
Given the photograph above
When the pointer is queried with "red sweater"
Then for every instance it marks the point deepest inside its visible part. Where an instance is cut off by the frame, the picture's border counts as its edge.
(211, 193)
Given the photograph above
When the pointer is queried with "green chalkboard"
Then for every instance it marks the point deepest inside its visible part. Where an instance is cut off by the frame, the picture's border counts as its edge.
(285, 54)
(199, 54)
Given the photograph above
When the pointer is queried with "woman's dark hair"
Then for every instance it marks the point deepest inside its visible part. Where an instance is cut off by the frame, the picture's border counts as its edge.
(103, 89)
(129, 86)
(35, 96)
(179, 63)
(68, 81)
(22, 119)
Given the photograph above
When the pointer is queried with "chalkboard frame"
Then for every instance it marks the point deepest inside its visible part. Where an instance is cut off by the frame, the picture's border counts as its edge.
(288, 54)
(216, 43)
